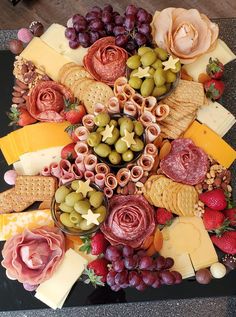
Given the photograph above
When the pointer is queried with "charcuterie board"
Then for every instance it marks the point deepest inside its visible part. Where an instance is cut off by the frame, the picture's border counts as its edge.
(81, 294)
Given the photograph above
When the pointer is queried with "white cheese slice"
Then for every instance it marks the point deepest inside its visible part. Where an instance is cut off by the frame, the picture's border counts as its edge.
(55, 38)
(222, 52)
(54, 291)
(18, 168)
(216, 117)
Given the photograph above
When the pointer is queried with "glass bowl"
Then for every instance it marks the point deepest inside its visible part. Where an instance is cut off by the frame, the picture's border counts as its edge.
(172, 88)
(137, 155)
(56, 212)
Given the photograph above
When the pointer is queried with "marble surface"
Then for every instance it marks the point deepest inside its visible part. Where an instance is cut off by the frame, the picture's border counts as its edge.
(207, 307)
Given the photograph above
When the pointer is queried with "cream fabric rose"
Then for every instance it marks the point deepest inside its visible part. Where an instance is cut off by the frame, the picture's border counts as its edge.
(186, 34)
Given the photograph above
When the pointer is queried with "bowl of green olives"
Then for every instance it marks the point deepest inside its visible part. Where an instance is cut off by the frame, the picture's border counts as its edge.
(69, 206)
(112, 137)
(147, 74)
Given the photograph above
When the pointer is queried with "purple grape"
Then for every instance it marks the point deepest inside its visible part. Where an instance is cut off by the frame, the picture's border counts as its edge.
(93, 36)
(140, 39)
(149, 18)
(167, 278)
(131, 46)
(114, 14)
(142, 15)
(108, 8)
(157, 283)
(125, 285)
(177, 276)
(134, 278)
(148, 277)
(160, 263)
(121, 278)
(118, 30)
(70, 34)
(122, 40)
(141, 287)
(127, 251)
(77, 18)
(145, 262)
(91, 16)
(96, 9)
(80, 26)
(84, 39)
(119, 20)
(74, 44)
(109, 28)
(129, 22)
(102, 33)
(130, 263)
(115, 288)
(118, 265)
(106, 17)
(169, 263)
(144, 29)
(96, 25)
(111, 278)
(131, 9)
(141, 253)
(112, 253)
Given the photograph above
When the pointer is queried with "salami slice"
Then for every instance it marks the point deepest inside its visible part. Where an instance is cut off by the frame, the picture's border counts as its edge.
(186, 163)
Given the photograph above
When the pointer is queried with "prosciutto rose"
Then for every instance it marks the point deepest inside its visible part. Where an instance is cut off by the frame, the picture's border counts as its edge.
(32, 256)
(130, 220)
(46, 101)
(186, 34)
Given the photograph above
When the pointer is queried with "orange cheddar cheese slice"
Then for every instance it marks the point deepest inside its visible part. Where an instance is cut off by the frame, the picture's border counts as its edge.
(211, 143)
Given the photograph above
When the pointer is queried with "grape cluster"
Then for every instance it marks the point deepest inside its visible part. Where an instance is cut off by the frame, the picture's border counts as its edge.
(135, 269)
(131, 30)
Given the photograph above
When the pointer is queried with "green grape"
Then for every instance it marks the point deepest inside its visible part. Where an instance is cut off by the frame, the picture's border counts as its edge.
(96, 199)
(138, 128)
(114, 158)
(64, 207)
(159, 91)
(65, 220)
(114, 138)
(84, 226)
(133, 62)
(170, 76)
(102, 150)
(94, 139)
(90, 193)
(75, 185)
(100, 129)
(121, 146)
(72, 198)
(82, 206)
(147, 87)
(102, 119)
(113, 122)
(159, 77)
(148, 58)
(162, 54)
(157, 64)
(144, 49)
(128, 156)
(138, 146)
(126, 124)
(133, 73)
(177, 67)
(102, 211)
(61, 193)
(75, 217)
(135, 82)
(151, 71)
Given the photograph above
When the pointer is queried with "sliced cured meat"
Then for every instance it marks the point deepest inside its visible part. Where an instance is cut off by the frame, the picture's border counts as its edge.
(105, 61)
(186, 163)
(46, 101)
(130, 220)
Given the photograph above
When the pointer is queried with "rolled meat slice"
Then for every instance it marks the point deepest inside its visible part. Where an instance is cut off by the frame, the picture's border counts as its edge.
(119, 85)
(147, 118)
(113, 105)
(149, 103)
(65, 166)
(99, 107)
(46, 171)
(102, 168)
(88, 121)
(67, 177)
(55, 170)
(90, 161)
(137, 100)
(108, 192)
(123, 176)
(76, 171)
(89, 175)
(128, 91)
(79, 162)
(100, 180)
(81, 133)
(152, 132)
(81, 148)
(151, 149)
(111, 181)
(121, 98)
(161, 111)
(130, 108)
(146, 162)
(136, 173)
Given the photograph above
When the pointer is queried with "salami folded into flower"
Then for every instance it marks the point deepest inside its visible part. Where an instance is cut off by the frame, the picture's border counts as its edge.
(32, 256)
(105, 61)
(130, 220)
(46, 101)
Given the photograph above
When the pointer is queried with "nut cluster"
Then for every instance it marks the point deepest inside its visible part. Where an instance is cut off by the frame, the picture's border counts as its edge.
(199, 209)
(132, 188)
(19, 94)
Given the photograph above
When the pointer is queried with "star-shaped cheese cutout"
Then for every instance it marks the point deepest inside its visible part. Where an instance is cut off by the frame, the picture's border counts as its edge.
(91, 217)
(128, 138)
(142, 72)
(107, 133)
(84, 188)
(170, 63)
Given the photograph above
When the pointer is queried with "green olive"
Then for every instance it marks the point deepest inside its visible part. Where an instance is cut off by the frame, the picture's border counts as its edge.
(72, 198)
(148, 58)
(113, 122)
(159, 91)
(177, 67)
(143, 49)
(61, 193)
(133, 62)
(161, 53)
(147, 87)
(157, 64)
(64, 207)
(102, 119)
(84, 226)
(115, 136)
(159, 77)
(133, 73)
(126, 124)
(138, 128)
(135, 82)
(102, 211)
(128, 156)
(138, 146)
(121, 146)
(82, 206)
(65, 220)
(114, 158)
(170, 76)
(75, 217)
(94, 139)
(102, 150)
(96, 199)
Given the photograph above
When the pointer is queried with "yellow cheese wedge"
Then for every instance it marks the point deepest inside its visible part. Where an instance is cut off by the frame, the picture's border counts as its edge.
(32, 138)
(44, 57)
(211, 143)
(14, 223)
(187, 237)
(222, 52)
(54, 37)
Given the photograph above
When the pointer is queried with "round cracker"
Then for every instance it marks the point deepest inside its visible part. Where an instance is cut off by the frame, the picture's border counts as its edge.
(157, 188)
(74, 74)
(64, 69)
(80, 85)
(186, 199)
(169, 195)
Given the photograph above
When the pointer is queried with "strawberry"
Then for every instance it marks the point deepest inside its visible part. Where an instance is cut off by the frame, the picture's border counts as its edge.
(97, 271)
(71, 131)
(95, 245)
(74, 112)
(163, 216)
(231, 215)
(68, 152)
(215, 68)
(215, 221)
(20, 116)
(226, 243)
(214, 89)
(214, 199)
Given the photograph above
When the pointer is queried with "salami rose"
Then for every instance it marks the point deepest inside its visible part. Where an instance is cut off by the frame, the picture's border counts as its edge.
(130, 220)
(105, 61)
(186, 163)
(32, 256)
(46, 101)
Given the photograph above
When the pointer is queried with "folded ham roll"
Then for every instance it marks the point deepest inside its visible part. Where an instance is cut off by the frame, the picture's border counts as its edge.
(99, 107)
(102, 168)
(123, 176)
(149, 103)
(99, 179)
(111, 181)
(81, 133)
(122, 98)
(65, 166)
(76, 171)
(128, 91)
(108, 192)
(137, 100)
(88, 121)
(146, 162)
(119, 85)
(81, 148)
(136, 173)
(89, 175)
(130, 108)
(79, 162)
(152, 131)
(161, 111)
(46, 171)
(147, 118)
(55, 170)
(113, 105)
(151, 149)
(67, 177)
(90, 162)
